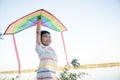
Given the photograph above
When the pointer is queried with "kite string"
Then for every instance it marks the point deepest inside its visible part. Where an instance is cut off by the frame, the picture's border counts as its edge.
(17, 55)
(64, 48)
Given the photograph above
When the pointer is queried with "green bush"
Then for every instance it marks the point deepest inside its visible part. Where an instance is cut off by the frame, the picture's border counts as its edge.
(67, 74)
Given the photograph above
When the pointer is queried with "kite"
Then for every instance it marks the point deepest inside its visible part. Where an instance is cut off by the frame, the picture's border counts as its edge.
(47, 20)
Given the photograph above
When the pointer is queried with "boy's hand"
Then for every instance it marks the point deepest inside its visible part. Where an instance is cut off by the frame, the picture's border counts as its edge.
(39, 18)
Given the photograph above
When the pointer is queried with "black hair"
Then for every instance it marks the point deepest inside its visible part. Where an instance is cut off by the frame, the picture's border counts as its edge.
(44, 32)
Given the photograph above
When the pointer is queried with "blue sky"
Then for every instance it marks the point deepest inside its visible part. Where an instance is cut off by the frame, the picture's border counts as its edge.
(93, 34)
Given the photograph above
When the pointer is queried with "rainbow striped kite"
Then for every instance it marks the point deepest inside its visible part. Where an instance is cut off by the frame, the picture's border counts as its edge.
(47, 20)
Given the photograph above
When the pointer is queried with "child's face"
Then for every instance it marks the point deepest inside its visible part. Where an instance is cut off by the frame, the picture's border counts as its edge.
(46, 39)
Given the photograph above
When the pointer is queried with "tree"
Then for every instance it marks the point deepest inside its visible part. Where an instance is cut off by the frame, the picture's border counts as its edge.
(67, 74)
(75, 63)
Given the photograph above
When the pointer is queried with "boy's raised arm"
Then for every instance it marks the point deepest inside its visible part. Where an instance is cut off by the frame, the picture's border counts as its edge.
(38, 29)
